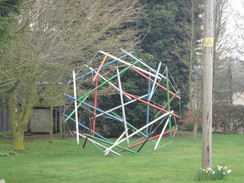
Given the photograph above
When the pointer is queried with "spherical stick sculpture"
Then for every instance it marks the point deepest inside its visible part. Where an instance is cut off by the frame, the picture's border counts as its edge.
(118, 76)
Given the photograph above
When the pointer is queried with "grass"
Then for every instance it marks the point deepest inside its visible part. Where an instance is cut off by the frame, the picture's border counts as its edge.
(64, 161)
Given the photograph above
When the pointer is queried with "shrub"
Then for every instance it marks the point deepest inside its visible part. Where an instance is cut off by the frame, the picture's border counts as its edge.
(229, 116)
(187, 121)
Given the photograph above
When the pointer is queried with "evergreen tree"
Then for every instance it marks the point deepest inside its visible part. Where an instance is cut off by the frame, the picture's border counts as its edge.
(8, 8)
(162, 26)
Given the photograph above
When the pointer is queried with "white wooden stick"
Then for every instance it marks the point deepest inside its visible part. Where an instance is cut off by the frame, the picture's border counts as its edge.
(94, 142)
(161, 134)
(123, 108)
(122, 135)
(126, 63)
(108, 82)
(110, 110)
(154, 82)
(76, 111)
(162, 76)
(139, 130)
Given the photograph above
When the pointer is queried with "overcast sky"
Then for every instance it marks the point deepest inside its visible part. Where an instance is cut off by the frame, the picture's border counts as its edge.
(237, 7)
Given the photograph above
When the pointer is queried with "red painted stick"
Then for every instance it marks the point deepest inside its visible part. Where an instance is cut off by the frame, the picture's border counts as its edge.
(156, 83)
(95, 105)
(156, 136)
(93, 123)
(96, 76)
(132, 96)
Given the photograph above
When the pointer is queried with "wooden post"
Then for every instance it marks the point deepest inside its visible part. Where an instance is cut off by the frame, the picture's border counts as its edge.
(207, 84)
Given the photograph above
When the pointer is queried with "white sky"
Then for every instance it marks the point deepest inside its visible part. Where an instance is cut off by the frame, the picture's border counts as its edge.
(237, 7)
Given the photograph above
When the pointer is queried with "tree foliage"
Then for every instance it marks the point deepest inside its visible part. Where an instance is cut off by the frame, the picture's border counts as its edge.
(7, 9)
(172, 31)
(166, 30)
(7, 33)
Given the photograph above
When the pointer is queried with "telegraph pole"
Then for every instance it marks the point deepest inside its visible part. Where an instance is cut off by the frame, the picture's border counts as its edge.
(207, 84)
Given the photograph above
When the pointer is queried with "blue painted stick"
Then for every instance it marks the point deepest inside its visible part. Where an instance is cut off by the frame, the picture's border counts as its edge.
(97, 68)
(155, 81)
(88, 128)
(148, 106)
(110, 115)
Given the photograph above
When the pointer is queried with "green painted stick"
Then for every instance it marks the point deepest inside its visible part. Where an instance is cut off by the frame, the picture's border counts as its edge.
(134, 128)
(109, 143)
(74, 109)
(159, 112)
(105, 82)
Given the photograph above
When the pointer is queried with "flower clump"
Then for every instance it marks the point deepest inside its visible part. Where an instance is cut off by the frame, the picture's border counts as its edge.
(216, 173)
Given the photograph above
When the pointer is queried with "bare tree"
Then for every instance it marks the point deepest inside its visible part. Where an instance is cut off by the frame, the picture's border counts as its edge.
(55, 37)
(191, 33)
(223, 52)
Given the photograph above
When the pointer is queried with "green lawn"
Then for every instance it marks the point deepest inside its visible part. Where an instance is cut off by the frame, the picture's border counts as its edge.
(64, 161)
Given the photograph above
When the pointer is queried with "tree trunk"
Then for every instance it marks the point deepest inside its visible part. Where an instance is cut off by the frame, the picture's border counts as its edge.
(18, 139)
(20, 114)
(18, 133)
(51, 125)
(194, 135)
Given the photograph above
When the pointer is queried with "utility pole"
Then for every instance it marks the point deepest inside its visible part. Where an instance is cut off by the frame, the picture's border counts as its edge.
(207, 84)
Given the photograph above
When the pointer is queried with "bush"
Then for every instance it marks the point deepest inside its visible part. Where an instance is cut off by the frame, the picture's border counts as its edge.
(229, 116)
(187, 121)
